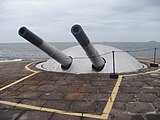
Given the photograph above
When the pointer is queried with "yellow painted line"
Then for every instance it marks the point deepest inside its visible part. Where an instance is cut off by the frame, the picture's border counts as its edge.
(111, 100)
(39, 108)
(60, 112)
(102, 117)
(8, 103)
(28, 106)
(18, 81)
(27, 68)
(73, 114)
(51, 110)
(20, 105)
(145, 73)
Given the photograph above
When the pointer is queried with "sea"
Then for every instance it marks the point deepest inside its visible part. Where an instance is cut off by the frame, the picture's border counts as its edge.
(26, 51)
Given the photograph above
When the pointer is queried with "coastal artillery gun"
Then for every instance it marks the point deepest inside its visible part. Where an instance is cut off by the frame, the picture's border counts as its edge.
(75, 60)
(53, 52)
(98, 62)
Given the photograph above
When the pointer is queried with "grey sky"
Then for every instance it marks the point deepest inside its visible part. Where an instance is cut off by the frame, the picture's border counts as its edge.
(103, 20)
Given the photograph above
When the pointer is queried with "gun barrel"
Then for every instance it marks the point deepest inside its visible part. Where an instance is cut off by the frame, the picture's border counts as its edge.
(98, 62)
(53, 52)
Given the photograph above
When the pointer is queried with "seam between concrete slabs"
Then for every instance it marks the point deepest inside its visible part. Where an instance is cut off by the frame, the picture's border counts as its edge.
(106, 110)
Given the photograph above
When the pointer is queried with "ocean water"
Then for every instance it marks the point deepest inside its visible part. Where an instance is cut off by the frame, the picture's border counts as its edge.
(26, 51)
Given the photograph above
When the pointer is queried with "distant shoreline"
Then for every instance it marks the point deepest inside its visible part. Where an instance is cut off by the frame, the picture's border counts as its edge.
(26, 51)
(77, 43)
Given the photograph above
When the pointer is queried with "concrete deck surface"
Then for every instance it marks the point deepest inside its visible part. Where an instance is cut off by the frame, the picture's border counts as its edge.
(62, 96)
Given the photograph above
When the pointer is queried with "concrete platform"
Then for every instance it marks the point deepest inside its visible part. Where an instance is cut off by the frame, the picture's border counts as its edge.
(27, 93)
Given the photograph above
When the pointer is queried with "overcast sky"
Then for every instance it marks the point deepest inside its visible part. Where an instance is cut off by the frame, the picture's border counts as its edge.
(102, 20)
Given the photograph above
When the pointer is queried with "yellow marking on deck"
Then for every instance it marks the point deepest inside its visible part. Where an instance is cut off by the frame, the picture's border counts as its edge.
(73, 114)
(18, 81)
(24, 78)
(61, 112)
(145, 73)
(106, 110)
(27, 68)
(111, 99)
(28, 106)
(95, 116)
(8, 103)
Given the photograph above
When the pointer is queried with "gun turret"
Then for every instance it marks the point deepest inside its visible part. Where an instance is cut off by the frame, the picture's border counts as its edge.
(98, 62)
(57, 55)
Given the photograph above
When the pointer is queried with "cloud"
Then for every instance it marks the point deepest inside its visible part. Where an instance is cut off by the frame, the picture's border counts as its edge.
(115, 20)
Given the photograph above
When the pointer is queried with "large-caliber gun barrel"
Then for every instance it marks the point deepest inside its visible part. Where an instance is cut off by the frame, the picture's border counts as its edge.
(57, 55)
(97, 61)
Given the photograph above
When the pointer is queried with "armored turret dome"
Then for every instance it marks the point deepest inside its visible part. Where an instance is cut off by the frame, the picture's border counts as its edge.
(84, 58)
(81, 63)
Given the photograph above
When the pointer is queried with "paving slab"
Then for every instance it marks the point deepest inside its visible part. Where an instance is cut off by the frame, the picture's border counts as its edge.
(139, 107)
(34, 102)
(98, 97)
(9, 114)
(12, 71)
(52, 96)
(30, 95)
(10, 94)
(34, 115)
(147, 97)
(56, 104)
(100, 107)
(126, 117)
(129, 90)
(150, 89)
(83, 107)
(156, 104)
(126, 97)
(154, 83)
(153, 117)
(104, 83)
(119, 108)
(76, 96)
(46, 88)
(106, 89)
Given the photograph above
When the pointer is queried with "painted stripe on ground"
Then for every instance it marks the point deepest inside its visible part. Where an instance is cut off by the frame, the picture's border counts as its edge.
(27, 68)
(20, 80)
(106, 110)
(145, 73)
